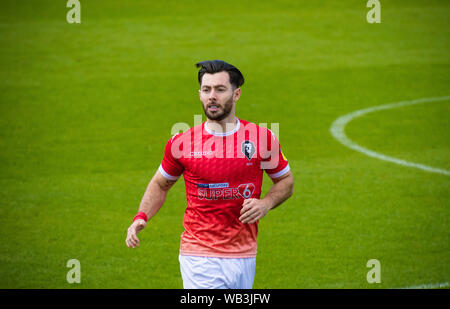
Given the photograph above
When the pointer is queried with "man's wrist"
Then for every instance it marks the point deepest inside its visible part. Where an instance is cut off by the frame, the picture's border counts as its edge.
(268, 203)
(141, 215)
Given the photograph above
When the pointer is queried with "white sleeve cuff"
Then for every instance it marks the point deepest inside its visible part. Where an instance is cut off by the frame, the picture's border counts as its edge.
(280, 173)
(167, 175)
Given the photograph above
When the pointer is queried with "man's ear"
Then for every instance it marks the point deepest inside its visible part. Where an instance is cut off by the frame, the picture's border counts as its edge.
(237, 94)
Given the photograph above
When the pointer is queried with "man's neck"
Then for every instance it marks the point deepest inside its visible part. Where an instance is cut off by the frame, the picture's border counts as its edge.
(222, 126)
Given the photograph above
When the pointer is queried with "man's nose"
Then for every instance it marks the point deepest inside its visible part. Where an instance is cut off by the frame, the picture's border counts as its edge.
(212, 95)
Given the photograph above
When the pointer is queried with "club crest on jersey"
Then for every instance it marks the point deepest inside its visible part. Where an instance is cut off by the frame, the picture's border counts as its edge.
(248, 149)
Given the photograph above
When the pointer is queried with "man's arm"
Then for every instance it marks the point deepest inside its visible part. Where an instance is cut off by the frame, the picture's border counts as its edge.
(254, 209)
(151, 202)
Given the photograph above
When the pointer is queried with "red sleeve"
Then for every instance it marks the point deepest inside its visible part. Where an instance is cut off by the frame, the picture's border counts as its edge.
(170, 166)
(274, 162)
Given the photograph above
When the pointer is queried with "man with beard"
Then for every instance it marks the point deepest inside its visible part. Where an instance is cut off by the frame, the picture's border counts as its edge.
(222, 162)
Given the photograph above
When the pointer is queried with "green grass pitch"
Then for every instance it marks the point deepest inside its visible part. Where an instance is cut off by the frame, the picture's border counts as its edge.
(86, 109)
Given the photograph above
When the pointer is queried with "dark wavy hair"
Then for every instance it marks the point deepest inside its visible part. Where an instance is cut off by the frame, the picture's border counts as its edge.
(216, 66)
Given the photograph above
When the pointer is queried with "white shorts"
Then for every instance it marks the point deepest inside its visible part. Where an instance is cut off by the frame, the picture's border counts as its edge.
(200, 272)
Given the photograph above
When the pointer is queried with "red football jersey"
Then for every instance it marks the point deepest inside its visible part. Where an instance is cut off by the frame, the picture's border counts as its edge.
(221, 170)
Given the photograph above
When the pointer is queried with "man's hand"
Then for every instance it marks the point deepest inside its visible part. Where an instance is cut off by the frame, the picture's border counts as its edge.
(132, 241)
(252, 210)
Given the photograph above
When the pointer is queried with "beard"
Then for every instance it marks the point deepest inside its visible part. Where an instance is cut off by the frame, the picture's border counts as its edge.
(222, 113)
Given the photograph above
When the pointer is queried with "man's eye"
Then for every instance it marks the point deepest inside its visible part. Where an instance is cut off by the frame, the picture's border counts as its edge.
(205, 90)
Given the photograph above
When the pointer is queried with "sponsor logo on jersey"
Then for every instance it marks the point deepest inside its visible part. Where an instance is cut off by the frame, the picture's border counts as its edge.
(223, 192)
(201, 153)
(213, 185)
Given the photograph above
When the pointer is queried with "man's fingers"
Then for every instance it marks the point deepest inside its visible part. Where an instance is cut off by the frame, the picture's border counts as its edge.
(244, 209)
(252, 210)
(248, 214)
(132, 243)
(251, 218)
(248, 200)
(248, 204)
(254, 220)
(135, 239)
(129, 243)
(132, 240)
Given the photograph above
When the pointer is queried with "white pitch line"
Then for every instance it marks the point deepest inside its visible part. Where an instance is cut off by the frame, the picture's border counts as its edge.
(429, 286)
(337, 129)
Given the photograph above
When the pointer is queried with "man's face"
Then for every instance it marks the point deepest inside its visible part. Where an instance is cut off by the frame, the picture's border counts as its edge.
(217, 95)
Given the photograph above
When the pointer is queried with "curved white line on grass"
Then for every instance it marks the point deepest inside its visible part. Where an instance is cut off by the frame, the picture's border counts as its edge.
(429, 286)
(338, 131)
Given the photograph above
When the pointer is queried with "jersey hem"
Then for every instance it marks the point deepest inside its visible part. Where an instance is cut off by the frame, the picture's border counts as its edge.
(218, 255)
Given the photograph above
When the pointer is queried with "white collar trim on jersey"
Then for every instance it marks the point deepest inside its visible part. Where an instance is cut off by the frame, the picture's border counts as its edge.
(238, 124)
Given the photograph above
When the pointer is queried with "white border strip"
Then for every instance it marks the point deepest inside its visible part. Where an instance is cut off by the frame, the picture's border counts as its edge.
(337, 129)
